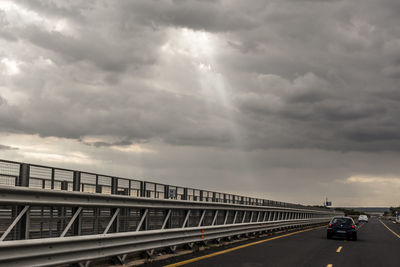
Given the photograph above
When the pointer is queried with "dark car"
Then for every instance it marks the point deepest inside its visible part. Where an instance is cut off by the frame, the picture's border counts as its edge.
(342, 227)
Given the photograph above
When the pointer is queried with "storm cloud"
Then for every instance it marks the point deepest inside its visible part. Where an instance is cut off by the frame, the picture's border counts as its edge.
(3, 147)
(210, 78)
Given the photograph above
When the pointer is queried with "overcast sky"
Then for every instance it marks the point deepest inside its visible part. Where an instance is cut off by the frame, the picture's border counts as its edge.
(291, 100)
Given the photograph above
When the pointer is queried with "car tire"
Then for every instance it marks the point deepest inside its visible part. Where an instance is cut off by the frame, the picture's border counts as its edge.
(355, 237)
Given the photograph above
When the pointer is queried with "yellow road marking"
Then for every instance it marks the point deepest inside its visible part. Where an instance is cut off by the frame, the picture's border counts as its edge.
(236, 248)
(329, 265)
(339, 249)
(393, 232)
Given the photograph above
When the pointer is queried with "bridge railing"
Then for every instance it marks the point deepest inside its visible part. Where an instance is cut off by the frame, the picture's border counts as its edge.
(46, 177)
(51, 216)
(50, 227)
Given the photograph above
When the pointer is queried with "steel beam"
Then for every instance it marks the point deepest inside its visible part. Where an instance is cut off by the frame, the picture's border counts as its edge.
(16, 220)
(142, 220)
(234, 217)
(42, 197)
(166, 220)
(111, 221)
(226, 216)
(201, 218)
(186, 219)
(215, 217)
(76, 214)
(244, 217)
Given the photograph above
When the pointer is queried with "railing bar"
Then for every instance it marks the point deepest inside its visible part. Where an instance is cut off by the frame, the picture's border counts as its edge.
(265, 215)
(166, 219)
(226, 216)
(106, 245)
(234, 218)
(9, 175)
(111, 221)
(244, 216)
(9, 161)
(76, 214)
(142, 220)
(40, 197)
(215, 217)
(51, 222)
(201, 218)
(16, 220)
(186, 219)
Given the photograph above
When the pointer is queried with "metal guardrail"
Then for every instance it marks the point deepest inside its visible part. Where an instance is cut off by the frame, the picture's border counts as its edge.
(55, 251)
(65, 227)
(46, 227)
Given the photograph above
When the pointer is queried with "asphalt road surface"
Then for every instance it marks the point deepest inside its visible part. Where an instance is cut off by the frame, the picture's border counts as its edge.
(376, 246)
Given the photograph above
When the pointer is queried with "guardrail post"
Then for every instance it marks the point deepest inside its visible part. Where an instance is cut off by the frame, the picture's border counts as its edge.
(76, 226)
(23, 178)
(166, 191)
(185, 194)
(143, 189)
(52, 178)
(64, 185)
(114, 185)
(22, 227)
(114, 190)
(76, 186)
(61, 210)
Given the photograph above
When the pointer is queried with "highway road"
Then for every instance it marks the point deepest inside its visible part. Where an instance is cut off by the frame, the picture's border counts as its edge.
(376, 246)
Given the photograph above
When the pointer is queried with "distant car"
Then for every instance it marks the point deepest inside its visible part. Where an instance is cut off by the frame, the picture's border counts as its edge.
(363, 218)
(342, 227)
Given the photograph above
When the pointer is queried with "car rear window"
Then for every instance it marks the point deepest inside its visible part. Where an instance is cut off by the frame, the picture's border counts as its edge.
(342, 221)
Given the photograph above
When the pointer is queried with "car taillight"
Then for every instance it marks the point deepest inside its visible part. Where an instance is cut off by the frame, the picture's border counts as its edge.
(353, 227)
(330, 225)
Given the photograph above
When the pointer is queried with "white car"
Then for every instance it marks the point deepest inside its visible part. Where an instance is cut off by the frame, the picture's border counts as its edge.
(363, 218)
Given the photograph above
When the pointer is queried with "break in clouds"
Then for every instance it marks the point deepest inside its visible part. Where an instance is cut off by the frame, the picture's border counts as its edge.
(272, 81)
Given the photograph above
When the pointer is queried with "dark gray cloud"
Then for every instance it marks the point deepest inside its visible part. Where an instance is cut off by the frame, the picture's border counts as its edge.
(311, 68)
(269, 84)
(3, 147)
(108, 144)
